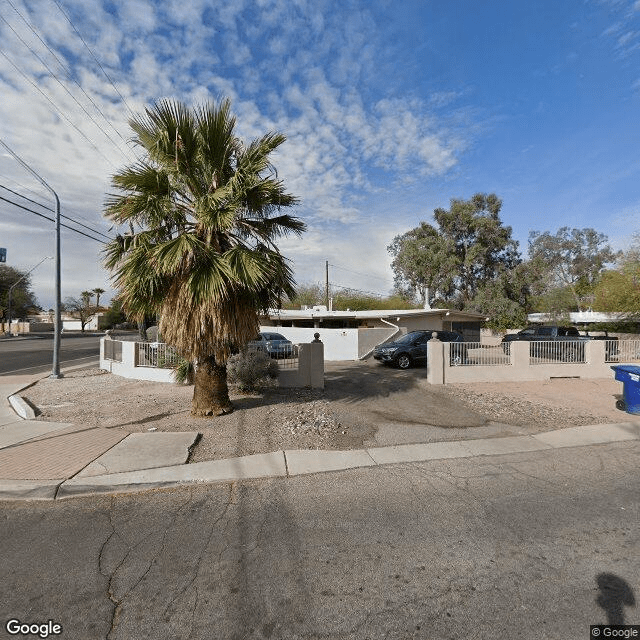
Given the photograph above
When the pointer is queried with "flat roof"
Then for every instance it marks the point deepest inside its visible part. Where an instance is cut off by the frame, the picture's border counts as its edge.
(321, 314)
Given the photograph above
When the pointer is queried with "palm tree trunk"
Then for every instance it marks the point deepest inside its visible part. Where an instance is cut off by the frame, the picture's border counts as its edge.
(210, 392)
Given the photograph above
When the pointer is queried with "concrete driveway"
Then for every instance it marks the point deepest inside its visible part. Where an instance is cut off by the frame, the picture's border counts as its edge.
(388, 406)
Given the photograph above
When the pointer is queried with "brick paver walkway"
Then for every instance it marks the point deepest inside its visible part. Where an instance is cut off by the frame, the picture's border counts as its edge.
(57, 455)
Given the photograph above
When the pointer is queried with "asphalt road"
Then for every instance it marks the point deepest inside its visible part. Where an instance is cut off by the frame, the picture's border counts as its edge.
(35, 354)
(529, 546)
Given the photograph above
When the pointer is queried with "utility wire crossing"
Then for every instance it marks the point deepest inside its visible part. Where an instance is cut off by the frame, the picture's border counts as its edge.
(15, 204)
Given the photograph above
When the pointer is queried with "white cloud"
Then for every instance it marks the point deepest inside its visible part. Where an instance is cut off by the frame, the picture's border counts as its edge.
(304, 68)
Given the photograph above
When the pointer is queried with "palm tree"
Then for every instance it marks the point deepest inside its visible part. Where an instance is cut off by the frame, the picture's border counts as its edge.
(203, 213)
(98, 291)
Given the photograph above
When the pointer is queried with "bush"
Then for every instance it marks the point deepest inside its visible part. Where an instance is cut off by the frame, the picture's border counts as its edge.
(184, 372)
(251, 369)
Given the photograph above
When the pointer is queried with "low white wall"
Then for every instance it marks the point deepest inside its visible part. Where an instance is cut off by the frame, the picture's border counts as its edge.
(518, 369)
(339, 344)
(309, 373)
(127, 368)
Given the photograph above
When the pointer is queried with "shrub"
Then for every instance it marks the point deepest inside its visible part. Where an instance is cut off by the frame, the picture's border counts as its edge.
(184, 372)
(251, 369)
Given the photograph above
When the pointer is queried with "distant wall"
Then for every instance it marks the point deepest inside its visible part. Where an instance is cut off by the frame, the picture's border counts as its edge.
(369, 338)
(339, 344)
(25, 327)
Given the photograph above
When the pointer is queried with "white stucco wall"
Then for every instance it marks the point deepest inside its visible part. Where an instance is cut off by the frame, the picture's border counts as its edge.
(339, 344)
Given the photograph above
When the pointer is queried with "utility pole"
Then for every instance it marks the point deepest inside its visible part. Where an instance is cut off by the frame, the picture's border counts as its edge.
(326, 288)
(57, 327)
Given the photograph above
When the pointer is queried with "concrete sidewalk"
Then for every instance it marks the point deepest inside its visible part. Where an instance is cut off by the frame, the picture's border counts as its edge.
(46, 461)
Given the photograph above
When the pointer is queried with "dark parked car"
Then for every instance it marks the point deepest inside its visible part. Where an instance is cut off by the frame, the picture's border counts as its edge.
(275, 345)
(571, 351)
(412, 348)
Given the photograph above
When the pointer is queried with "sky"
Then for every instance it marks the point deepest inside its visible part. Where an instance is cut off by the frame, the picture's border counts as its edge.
(390, 110)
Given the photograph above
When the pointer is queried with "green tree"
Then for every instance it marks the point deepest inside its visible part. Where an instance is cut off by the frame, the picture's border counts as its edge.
(314, 294)
(618, 290)
(507, 299)
(114, 314)
(23, 299)
(307, 295)
(575, 258)
(203, 210)
(467, 249)
(357, 301)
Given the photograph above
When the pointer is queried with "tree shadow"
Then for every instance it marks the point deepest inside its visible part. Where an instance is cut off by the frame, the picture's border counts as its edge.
(615, 594)
(349, 382)
(361, 380)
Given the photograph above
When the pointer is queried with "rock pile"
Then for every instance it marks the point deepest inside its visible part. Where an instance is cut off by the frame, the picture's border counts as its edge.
(315, 418)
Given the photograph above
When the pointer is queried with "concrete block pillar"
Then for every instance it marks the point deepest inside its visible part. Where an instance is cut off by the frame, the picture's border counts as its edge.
(435, 361)
(130, 353)
(310, 371)
(594, 351)
(520, 356)
(316, 365)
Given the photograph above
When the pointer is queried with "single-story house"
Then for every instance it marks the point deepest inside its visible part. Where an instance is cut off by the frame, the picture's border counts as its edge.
(352, 335)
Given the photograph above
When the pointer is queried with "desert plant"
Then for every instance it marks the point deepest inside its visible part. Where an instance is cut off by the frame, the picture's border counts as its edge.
(184, 372)
(251, 369)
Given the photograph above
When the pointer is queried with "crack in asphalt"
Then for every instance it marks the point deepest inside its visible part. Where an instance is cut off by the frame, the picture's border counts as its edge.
(196, 573)
(110, 593)
(106, 575)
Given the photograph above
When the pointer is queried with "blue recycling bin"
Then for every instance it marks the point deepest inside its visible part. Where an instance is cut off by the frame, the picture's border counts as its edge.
(629, 375)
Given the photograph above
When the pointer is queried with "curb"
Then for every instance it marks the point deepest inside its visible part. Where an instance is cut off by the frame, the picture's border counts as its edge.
(22, 407)
(292, 463)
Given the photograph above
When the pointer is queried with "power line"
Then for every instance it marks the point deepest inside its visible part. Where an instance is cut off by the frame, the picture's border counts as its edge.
(55, 77)
(24, 188)
(53, 210)
(358, 273)
(62, 11)
(38, 193)
(65, 69)
(53, 104)
(15, 204)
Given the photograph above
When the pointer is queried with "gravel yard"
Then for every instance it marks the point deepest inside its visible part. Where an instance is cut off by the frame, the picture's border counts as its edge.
(363, 404)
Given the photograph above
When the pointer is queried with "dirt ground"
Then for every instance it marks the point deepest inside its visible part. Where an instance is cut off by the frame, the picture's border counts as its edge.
(364, 404)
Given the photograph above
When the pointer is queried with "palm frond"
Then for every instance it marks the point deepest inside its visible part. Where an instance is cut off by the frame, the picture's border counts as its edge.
(204, 214)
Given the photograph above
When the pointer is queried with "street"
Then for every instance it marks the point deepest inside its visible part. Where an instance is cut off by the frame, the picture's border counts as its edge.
(35, 354)
(530, 546)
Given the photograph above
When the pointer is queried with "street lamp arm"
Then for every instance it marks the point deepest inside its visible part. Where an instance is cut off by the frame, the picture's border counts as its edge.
(28, 272)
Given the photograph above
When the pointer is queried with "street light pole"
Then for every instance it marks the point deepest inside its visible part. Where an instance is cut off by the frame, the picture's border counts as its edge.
(18, 282)
(57, 327)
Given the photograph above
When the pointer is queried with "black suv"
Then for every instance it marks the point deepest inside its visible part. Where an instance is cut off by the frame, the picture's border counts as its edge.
(412, 348)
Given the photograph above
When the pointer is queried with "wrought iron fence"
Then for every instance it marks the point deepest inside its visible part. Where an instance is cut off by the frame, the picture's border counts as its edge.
(285, 354)
(157, 354)
(622, 351)
(113, 350)
(553, 352)
(471, 354)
